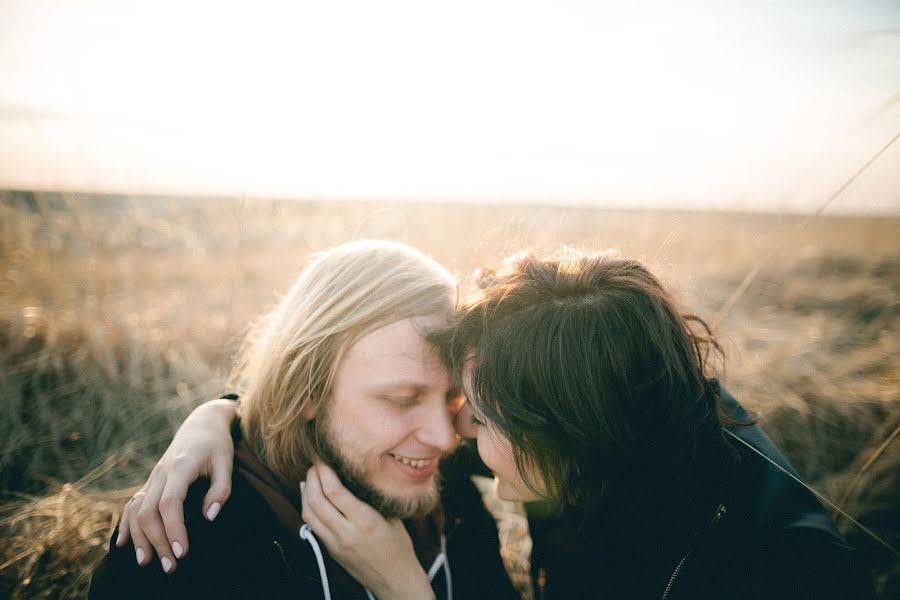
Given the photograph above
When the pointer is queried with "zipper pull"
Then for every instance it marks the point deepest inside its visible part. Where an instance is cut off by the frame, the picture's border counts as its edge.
(720, 512)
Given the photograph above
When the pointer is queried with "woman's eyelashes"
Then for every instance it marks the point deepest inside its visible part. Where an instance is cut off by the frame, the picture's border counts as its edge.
(476, 421)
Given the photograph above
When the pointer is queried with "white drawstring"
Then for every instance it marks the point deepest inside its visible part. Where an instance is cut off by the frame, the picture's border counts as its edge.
(440, 561)
(307, 534)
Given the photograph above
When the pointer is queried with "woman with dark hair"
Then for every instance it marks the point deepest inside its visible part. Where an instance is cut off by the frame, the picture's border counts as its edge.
(590, 392)
(589, 389)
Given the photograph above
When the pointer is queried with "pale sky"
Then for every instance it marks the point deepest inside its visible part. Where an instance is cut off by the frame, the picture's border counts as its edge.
(727, 104)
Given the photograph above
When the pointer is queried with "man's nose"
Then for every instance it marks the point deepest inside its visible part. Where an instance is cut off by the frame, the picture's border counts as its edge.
(437, 427)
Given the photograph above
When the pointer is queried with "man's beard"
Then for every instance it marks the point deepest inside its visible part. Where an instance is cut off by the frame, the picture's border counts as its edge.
(355, 480)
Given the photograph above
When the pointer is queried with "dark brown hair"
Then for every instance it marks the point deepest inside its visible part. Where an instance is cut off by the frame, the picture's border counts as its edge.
(585, 364)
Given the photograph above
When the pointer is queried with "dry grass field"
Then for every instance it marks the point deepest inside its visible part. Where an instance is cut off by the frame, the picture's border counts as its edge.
(117, 315)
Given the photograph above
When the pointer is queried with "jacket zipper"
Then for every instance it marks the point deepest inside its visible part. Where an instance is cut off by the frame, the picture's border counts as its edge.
(720, 512)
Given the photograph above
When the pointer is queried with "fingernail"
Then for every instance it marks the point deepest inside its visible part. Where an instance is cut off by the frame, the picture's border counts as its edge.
(177, 549)
(140, 555)
(166, 563)
(213, 511)
(119, 539)
(302, 487)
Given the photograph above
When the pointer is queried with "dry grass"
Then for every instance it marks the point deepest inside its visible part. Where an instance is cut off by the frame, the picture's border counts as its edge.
(56, 540)
(118, 315)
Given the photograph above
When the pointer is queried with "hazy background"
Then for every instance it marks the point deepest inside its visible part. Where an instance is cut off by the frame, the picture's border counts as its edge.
(120, 313)
(729, 104)
(166, 169)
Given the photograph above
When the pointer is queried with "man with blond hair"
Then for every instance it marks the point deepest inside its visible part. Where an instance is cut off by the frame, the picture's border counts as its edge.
(339, 381)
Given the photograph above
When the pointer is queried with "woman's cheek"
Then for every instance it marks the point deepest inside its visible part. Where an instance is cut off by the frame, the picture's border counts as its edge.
(496, 453)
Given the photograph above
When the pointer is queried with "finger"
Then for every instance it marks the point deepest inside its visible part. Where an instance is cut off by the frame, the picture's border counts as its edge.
(124, 530)
(171, 505)
(128, 526)
(219, 485)
(312, 519)
(143, 550)
(321, 507)
(343, 500)
(151, 524)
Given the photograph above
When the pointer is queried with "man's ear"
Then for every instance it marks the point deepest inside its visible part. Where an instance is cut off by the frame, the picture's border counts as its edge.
(310, 410)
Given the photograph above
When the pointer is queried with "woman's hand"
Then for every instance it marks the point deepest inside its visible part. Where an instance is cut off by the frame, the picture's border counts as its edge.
(154, 517)
(376, 552)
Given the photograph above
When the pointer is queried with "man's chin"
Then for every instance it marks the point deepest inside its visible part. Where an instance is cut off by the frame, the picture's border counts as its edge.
(423, 500)
(391, 506)
(404, 507)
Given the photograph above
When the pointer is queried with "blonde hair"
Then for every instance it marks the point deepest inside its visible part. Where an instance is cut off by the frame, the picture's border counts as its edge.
(288, 362)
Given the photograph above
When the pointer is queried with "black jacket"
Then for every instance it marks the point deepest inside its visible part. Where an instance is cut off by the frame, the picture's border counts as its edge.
(247, 553)
(767, 538)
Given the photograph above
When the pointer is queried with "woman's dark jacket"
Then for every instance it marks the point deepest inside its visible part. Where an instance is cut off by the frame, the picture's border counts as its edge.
(247, 553)
(771, 539)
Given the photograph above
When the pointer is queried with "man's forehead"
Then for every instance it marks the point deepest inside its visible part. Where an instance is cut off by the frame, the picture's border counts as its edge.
(402, 340)
(382, 356)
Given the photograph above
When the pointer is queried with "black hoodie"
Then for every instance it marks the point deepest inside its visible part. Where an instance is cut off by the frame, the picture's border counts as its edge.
(254, 550)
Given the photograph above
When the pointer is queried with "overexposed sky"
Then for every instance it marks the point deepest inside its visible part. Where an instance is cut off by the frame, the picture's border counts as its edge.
(729, 104)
